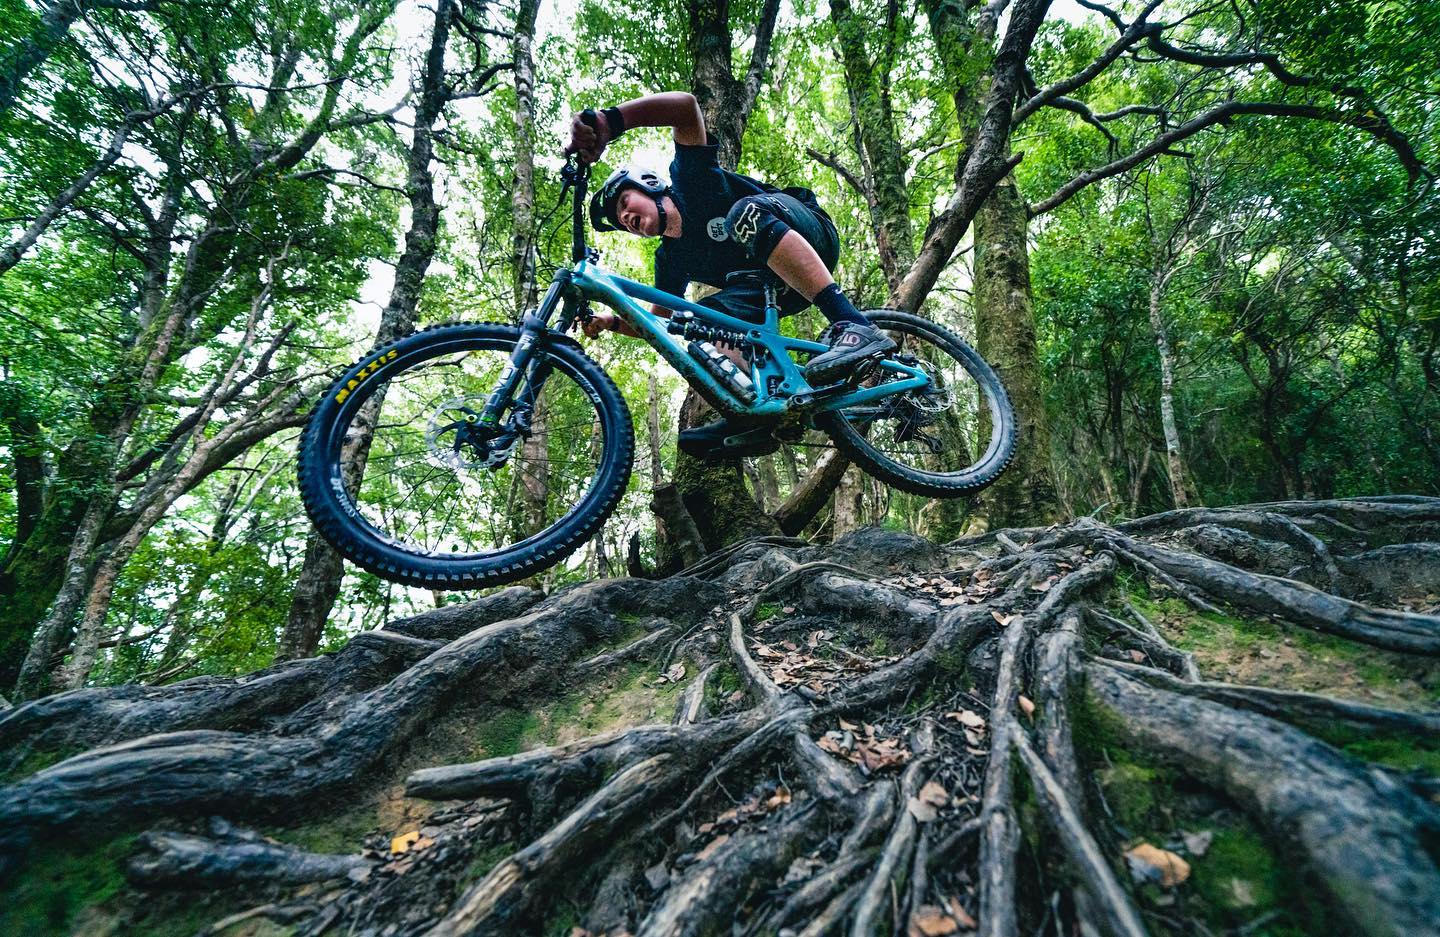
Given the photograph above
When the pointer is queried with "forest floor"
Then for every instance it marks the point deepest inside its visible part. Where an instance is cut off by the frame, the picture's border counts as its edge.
(1219, 721)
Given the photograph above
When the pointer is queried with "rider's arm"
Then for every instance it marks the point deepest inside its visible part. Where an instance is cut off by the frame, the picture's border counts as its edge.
(678, 109)
(609, 320)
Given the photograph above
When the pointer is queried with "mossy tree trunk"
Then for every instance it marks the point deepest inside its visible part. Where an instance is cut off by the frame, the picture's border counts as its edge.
(1005, 332)
(714, 493)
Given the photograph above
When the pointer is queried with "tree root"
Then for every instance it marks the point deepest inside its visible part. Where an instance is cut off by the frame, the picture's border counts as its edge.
(896, 855)
(518, 882)
(1152, 646)
(999, 829)
(1113, 903)
(254, 775)
(1313, 713)
(578, 763)
(1286, 599)
(797, 838)
(1356, 828)
(691, 707)
(93, 717)
(235, 856)
(708, 892)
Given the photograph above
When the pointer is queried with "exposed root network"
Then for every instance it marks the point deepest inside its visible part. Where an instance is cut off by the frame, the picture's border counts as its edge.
(880, 736)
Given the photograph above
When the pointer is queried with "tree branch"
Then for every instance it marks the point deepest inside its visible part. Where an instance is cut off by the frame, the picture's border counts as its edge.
(1372, 124)
(1129, 35)
(833, 162)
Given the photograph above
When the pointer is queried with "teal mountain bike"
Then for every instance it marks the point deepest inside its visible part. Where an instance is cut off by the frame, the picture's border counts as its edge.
(495, 451)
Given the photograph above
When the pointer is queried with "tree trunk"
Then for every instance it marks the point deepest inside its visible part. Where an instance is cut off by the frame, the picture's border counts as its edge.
(53, 632)
(1005, 331)
(715, 493)
(848, 513)
(535, 463)
(523, 189)
(319, 581)
(1175, 462)
(867, 84)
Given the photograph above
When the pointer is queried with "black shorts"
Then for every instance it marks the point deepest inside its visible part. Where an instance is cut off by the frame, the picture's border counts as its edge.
(758, 223)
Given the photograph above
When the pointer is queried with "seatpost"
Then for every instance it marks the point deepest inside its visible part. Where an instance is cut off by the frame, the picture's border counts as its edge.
(772, 305)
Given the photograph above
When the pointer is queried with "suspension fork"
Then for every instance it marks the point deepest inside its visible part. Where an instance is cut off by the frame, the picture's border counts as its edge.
(528, 361)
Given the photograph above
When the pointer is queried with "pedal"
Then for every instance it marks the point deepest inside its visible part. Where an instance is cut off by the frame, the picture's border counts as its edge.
(863, 371)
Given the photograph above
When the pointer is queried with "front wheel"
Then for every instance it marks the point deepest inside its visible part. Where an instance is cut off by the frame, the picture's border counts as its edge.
(951, 438)
(400, 473)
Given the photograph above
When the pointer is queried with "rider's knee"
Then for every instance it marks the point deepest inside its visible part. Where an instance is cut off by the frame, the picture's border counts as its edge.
(757, 224)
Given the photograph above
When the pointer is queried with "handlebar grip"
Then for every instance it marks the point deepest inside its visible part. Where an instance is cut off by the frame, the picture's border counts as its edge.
(589, 118)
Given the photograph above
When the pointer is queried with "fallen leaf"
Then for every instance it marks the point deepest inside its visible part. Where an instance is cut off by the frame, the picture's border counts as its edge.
(930, 921)
(657, 876)
(968, 718)
(1242, 893)
(1138, 656)
(405, 842)
(960, 914)
(848, 726)
(1152, 864)
(934, 794)
(921, 811)
(1027, 707)
(779, 798)
(1002, 619)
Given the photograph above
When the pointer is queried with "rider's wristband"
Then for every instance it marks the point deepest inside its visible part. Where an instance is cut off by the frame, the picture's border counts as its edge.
(614, 122)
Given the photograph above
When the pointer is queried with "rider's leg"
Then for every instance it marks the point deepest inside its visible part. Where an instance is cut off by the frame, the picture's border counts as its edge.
(784, 234)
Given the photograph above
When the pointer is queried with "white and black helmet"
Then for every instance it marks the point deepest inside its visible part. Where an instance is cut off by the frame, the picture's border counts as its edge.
(607, 198)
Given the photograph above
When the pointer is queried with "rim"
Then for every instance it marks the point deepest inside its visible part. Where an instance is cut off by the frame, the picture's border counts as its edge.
(432, 490)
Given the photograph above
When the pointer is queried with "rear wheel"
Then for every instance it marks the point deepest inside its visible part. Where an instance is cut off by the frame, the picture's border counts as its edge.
(438, 499)
(952, 438)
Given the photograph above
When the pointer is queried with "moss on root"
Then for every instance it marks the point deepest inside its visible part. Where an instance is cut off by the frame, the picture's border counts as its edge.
(35, 762)
(58, 884)
(1269, 653)
(340, 833)
(80, 888)
(485, 860)
(631, 696)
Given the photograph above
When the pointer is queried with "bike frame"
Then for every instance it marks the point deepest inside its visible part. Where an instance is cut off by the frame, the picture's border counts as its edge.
(780, 385)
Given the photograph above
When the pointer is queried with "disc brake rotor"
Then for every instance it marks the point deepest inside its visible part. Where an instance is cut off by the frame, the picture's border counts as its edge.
(455, 438)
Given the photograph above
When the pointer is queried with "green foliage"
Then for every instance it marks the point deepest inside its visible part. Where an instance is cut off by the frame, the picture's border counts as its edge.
(1303, 307)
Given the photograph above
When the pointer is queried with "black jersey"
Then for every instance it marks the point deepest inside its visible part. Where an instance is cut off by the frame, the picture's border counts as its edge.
(704, 193)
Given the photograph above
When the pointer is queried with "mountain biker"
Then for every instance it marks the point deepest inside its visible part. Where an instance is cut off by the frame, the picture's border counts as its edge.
(715, 223)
